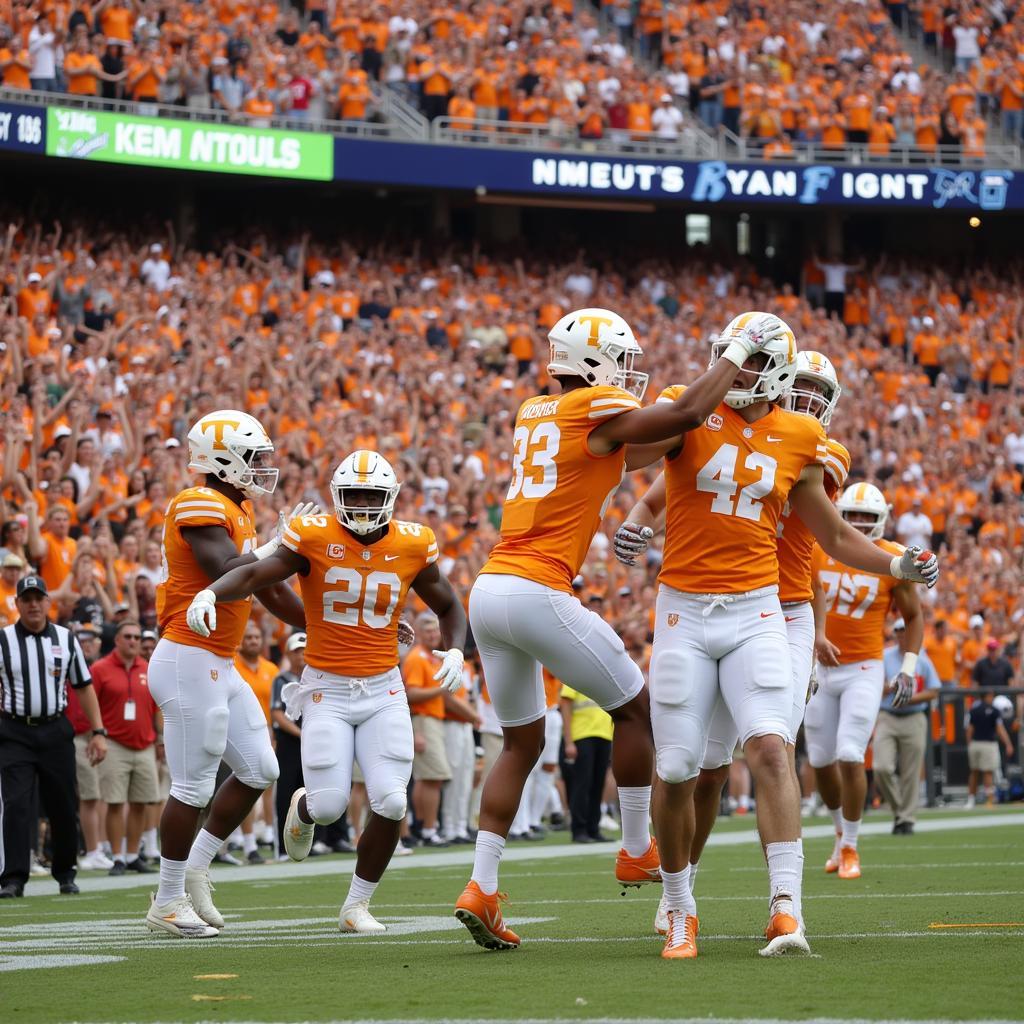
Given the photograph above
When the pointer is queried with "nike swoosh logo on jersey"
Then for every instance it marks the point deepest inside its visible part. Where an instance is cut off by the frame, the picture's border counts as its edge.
(787, 618)
(767, 615)
(390, 558)
(774, 440)
(391, 693)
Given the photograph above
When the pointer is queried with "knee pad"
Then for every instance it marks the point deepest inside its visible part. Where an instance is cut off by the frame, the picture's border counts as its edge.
(676, 764)
(392, 805)
(716, 755)
(849, 750)
(270, 770)
(326, 805)
(194, 794)
(215, 731)
(819, 754)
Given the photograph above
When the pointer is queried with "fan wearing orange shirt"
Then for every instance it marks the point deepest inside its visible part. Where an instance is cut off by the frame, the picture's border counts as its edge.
(209, 712)
(355, 569)
(568, 459)
(841, 715)
(720, 636)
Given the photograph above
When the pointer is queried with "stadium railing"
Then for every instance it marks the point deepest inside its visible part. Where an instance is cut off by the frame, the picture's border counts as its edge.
(400, 121)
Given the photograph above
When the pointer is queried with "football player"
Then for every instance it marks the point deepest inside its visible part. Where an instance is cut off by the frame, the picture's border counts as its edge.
(816, 393)
(209, 712)
(841, 714)
(355, 569)
(720, 634)
(568, 459)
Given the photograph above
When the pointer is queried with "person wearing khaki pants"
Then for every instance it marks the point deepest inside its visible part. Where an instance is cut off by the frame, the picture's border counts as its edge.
(901, 736)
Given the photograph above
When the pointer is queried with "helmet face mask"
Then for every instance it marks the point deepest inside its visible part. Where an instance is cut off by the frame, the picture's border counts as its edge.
(816, 390)
(775, 379)
(364, 489)
(864, 507)
(234, 447)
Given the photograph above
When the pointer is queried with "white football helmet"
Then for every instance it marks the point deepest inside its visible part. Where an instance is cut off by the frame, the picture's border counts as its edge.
(813, 366)
(775, 379)
(234, 447)
(597, 345)
(865, 498)
(364, 471)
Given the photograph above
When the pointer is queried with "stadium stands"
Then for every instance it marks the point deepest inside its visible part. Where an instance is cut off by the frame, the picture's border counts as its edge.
(822, 76)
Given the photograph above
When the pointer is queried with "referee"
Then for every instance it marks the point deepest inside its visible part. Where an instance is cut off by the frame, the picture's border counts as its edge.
(37, 658)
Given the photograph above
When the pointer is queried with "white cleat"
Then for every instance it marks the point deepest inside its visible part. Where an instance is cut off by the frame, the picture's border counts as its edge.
(661, 917)
(178, 918)
(198, 888)
(298, 836)
(357, 918)
(95, 861)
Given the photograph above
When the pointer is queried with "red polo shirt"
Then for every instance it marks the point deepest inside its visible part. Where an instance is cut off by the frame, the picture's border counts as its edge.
(115, 685)
(75, 713)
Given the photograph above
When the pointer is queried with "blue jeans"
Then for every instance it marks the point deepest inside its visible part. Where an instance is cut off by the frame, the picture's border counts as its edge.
(44, 84)
(1013, 124)
(710, 112)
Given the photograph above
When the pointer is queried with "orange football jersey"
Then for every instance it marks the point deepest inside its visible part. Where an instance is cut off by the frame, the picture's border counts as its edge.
(857, 603)
(796, 542)
(724, 492)
(353, 593)
(560, 490)
(183, 578)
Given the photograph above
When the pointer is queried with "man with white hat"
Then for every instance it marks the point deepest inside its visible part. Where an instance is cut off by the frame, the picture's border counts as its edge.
(667, 118)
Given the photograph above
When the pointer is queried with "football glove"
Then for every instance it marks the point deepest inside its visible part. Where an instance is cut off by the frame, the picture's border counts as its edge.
(449, 675)
(202, 613)
(812, 682)
(304, 508)
(406, 634)
(902, 687)
(631, 541)
(752, 339)
(915, 565)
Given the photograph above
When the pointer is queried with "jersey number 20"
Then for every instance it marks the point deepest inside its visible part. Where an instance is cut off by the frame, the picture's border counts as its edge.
(360, 598)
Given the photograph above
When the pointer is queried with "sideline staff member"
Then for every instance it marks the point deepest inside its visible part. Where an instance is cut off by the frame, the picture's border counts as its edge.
(37, 658)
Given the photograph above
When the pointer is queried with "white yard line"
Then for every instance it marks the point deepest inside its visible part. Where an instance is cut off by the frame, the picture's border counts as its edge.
(515, 854)
(617, 1020)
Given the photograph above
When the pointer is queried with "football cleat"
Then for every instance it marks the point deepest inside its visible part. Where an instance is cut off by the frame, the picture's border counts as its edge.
(199, 887)
(178, 918)
(784, 935)
(481, 914)
(637, 871)
(298, 836)
(661, 917)
(356, 917)
(832, 864)
(849, 863)
(681, 939)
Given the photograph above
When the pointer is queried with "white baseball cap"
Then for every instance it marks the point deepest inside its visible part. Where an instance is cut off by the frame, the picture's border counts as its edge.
(975, 621)
(295, 641)
(34, 277)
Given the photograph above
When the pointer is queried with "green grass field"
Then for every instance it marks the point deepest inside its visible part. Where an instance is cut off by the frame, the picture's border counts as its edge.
(588, 952)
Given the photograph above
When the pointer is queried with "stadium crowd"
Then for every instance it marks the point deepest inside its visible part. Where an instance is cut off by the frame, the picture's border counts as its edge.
(113, 344)
(799, 71)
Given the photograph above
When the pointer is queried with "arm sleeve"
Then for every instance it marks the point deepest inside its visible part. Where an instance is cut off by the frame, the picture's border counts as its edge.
(78, 669)
(193, 509)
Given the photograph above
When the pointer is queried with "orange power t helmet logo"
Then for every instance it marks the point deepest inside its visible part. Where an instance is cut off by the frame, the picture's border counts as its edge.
(595, 325)
(219, 426)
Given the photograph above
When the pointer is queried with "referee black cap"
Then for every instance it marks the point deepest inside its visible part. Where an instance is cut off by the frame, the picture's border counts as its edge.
(31, 583)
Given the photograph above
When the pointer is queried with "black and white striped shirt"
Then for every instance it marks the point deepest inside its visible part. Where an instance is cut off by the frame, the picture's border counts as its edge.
(34, 668)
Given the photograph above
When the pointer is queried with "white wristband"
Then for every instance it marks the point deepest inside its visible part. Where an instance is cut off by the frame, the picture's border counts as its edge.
(736, 354)
(909, 663)
(894, 567)
(266, 550)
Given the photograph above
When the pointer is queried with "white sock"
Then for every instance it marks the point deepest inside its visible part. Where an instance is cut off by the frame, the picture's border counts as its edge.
(204, 849)
(521, 822)
(149, 841)
(693, 874)
(785, 874)
(540, 794)
(635, 811)
(489, 848)
(676, 887)
(428, 833)
(248, 842)
(97, 852)
(850, 831)
(360, 891)
(837, 820)
(172, 880)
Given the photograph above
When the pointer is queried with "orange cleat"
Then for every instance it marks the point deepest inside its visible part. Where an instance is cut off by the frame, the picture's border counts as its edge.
(681, 938)
(784, 935)
(481, 914)
(849, 863)
(637, 871)
(832, 864)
